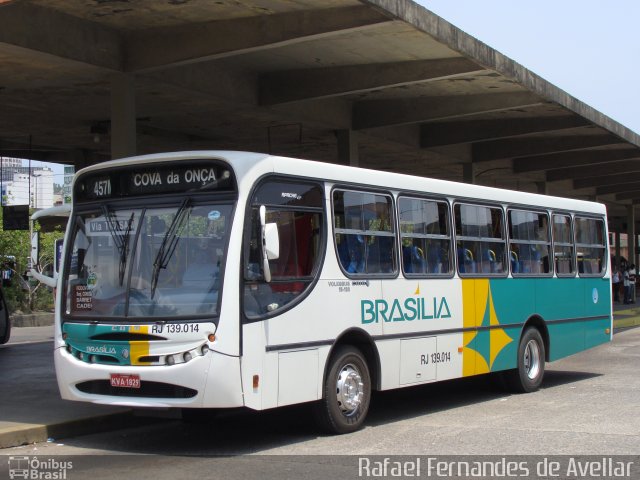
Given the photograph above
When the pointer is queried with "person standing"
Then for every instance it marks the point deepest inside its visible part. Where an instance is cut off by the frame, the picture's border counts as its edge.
(632, 283)
(615, 284)
(625, 285)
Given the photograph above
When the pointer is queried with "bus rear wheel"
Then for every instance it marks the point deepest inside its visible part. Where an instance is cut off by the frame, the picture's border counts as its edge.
(530, 372)
(346, 392)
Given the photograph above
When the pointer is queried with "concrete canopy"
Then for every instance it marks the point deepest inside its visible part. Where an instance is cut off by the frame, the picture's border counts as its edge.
(384, 83)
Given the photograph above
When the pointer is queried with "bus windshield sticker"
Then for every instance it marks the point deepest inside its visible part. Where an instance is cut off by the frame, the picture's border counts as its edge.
(213, 215)
(82, 299)
(92, 280)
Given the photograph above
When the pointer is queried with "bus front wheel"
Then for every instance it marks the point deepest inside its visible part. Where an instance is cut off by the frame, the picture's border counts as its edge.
(346, 392)
(531, 354)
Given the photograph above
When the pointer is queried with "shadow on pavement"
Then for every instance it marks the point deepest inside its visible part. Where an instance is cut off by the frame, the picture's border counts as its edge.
(246, 431)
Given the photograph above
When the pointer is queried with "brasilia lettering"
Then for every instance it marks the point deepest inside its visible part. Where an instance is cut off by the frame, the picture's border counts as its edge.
(412, 308)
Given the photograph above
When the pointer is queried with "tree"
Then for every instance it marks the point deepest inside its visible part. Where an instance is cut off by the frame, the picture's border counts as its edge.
(23, 293)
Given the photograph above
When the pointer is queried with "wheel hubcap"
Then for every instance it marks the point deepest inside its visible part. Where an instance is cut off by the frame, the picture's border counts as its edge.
(532, 359)
(349, 389)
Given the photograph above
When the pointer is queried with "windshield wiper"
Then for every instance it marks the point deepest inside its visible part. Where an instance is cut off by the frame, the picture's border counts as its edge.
(169, 243)
(120, 239)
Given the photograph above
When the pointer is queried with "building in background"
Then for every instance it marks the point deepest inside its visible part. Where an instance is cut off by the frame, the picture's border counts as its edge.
(19, 188)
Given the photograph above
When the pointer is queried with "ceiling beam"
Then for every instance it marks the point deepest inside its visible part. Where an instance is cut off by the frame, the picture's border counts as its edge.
(49, 31)
(390, 112)
(599, 170)
(618, 179)
(438, 134)
(632, 186)
(164, 47)
(313, 83)
(520, 147)
(628, 196)
(540, 163)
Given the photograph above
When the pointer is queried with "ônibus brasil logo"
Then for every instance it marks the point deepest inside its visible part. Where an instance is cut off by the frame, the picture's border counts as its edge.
(34, 468)
(404, 310)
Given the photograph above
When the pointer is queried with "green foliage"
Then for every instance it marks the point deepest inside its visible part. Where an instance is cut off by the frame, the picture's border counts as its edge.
(24, 294)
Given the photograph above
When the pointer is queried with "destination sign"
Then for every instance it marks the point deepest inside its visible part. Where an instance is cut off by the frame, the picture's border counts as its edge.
(171, 180)
(147, 180)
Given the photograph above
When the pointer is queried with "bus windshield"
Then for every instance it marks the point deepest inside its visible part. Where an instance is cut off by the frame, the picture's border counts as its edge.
(147, 262)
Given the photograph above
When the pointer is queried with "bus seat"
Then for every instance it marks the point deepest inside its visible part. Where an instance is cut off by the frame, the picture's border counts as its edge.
(434, 259)
(515, 264)
(406, 259)
(355, 248)
(413, 259)
(489, 261)
(466, 263)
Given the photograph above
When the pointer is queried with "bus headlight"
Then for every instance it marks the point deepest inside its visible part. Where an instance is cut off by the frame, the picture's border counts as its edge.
(187, 356)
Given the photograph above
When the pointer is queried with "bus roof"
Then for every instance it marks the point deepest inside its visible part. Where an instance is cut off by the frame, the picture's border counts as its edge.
(52, 218)
(260, 164)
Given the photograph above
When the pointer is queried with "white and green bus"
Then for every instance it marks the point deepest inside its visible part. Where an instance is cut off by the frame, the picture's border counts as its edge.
(230, 279)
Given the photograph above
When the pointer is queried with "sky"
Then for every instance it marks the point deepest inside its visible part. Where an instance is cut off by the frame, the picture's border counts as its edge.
(589, 48)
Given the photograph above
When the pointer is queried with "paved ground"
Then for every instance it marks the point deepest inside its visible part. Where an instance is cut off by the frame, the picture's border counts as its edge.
(30, 405)
(589, 404)
(31, 334)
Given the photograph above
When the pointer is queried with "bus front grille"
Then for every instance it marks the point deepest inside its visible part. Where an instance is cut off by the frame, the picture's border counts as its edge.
(146, 390)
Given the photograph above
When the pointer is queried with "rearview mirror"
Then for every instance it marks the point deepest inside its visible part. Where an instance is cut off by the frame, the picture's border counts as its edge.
(270, 243)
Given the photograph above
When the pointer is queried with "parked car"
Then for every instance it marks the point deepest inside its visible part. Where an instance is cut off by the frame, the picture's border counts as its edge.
(5, 323)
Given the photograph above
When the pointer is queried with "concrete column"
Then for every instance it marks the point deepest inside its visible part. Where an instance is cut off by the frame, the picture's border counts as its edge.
(348, 148)
(541, 187)
(123, 116)
(631, 234)
(469, 172)
(617, 240)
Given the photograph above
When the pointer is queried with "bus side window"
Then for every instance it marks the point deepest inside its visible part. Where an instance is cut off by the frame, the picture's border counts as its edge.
(590, 246)
(425, 237)
(530, 242)
(480, 240)
(563, 245)
(364, 233)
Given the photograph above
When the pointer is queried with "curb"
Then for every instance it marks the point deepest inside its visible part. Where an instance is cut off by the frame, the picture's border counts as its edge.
(22, 434)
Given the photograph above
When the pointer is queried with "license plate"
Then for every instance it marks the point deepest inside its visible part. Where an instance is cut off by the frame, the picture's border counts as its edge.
(125, 381)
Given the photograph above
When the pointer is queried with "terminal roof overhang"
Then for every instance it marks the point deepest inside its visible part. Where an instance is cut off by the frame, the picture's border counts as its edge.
(421, 96)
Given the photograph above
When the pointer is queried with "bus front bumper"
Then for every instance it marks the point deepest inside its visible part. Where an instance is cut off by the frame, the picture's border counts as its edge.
(210, 381)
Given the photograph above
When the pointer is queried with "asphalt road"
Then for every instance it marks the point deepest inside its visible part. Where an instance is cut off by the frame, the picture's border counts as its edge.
(589, 405)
